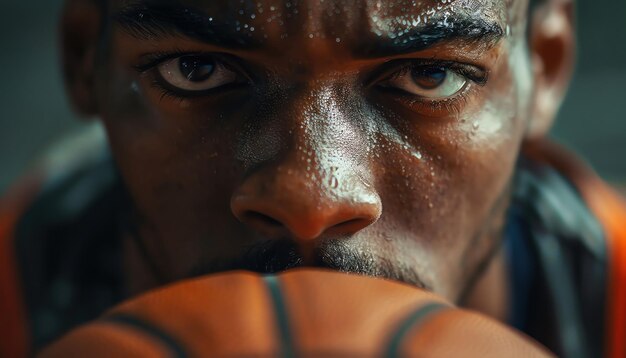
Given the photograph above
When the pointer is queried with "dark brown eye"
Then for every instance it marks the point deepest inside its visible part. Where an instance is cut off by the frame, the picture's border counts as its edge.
(196, 68)
(429, 77)
(428, 82)
(196, 73)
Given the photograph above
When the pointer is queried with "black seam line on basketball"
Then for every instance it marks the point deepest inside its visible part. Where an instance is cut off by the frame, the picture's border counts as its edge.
(415, 318)
(287, 348)
(149, 329)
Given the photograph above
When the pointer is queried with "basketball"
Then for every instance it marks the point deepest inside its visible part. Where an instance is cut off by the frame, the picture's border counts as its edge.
(298, 313)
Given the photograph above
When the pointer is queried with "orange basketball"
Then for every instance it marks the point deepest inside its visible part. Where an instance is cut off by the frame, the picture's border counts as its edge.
(299, 313)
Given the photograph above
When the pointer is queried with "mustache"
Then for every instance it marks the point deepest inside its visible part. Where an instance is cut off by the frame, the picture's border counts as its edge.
(272, 256)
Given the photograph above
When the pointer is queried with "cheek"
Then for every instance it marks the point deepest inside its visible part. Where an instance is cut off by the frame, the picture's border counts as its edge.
(443, 180)
(177, 164)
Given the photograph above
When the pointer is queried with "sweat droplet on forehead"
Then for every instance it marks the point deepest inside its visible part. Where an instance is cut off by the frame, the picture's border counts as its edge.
(341, 20)
(394, 19)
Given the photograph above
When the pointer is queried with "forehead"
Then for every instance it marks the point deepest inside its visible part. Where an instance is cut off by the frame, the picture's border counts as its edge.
(339, 20)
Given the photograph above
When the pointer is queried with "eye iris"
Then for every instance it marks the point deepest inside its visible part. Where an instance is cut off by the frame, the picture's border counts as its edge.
(429, 78)
(196, 69)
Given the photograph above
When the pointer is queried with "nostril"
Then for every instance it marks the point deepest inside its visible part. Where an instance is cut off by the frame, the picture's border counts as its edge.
(302, 216)
(349, 226)
(256, 217)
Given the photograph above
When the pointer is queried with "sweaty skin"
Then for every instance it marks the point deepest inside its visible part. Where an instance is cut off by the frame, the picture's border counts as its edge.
(317, 151)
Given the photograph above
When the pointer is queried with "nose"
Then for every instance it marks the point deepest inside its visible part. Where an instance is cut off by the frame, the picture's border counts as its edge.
(286, 202)
(316, 186)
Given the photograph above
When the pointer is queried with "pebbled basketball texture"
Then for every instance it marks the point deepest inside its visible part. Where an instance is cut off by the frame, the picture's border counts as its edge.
(298, 313)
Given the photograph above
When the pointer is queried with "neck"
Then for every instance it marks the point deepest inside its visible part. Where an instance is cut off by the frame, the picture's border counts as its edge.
(490, 294)
(139, 275)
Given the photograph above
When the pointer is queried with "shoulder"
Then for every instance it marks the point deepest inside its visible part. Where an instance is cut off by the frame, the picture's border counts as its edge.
(35, 216)
(609, 210)
(12, 205)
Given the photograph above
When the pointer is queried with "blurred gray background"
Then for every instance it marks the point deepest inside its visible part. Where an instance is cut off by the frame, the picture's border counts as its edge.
(34, 111)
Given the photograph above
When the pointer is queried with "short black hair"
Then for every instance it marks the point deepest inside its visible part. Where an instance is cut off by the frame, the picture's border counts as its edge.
(531, 6)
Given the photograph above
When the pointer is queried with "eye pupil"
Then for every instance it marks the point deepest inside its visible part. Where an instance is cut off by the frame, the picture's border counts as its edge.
(430, 77)
(195, 68)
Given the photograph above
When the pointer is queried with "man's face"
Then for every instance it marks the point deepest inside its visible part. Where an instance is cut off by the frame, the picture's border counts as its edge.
(377, 137)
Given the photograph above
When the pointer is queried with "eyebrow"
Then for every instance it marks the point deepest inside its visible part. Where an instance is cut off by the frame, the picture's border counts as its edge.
(470, 30)
(150, 19)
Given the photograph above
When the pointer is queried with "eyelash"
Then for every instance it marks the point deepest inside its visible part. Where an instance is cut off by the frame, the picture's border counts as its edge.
(470, 72)
(165, 92)
(393, 70)
(153, 60)
(149, 64)
(473, 74)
